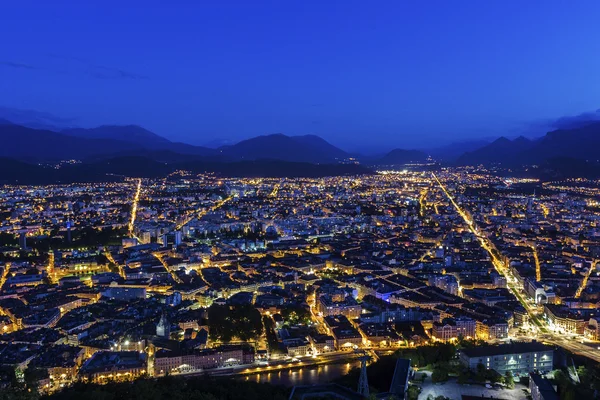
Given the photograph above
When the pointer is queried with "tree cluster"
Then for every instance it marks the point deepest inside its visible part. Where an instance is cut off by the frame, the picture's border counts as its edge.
(228, 322)
(174, 388)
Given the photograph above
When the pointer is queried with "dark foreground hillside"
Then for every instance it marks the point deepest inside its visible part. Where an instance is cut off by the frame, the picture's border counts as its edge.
(174, 388)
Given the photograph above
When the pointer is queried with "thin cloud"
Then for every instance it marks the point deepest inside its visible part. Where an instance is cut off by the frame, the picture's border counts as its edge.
(100, 71)
(17, 65)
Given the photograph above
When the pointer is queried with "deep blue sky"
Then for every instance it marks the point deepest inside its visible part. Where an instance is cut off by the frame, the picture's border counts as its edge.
(358, 73)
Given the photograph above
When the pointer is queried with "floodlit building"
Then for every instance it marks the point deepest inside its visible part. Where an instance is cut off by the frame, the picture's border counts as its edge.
(519, 358)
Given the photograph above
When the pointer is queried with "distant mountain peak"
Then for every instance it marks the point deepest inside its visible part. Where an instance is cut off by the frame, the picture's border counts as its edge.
(128, 133)
(402, 156)
(305, 148)
(577, 143)
(501, 140)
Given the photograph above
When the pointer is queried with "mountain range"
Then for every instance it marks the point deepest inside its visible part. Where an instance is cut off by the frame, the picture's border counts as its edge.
(580, 143)
(111, 145)
(41, 145)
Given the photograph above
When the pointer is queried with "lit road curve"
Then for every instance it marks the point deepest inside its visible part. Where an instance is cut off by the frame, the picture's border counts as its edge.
(584, 282)
(4, 275)
(51, 267)
(496, 262)
(161, 258)
(134, 207)
(2, 282)
(200, 214)
(538, 268)
(111, 259)
(572, 345)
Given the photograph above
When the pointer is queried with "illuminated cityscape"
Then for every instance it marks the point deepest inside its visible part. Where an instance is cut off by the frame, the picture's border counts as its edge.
(197, 274)
(299, 200)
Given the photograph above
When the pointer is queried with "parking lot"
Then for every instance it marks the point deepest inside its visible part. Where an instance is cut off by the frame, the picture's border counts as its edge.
(453, 390)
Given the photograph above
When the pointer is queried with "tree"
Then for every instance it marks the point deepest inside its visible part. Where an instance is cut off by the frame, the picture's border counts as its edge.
(413, 392)
(509, 381)
(481, 374)
(439, 375)
(226, 322)
(463, 376)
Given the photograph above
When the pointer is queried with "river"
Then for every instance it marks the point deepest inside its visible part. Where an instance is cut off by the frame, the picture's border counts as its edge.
(303, 376)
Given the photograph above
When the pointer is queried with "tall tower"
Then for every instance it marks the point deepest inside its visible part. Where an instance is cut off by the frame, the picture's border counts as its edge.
(23, 241)
(68, 231)
(363, 384)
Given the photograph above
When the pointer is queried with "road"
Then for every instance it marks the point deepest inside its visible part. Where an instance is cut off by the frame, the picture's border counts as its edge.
(111, 259)
(584, 282)
(4, 275)
(538, 268)
(161, 258)
(199, 214)
(134, 207)
(50, 268)
(489, 247)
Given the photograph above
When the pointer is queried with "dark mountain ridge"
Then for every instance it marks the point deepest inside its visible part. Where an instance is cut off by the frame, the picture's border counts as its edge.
(577, 143)
(401, 156)
(114, 169)
(309, 148)
(109, 141)
(127, 133)
(143, 138)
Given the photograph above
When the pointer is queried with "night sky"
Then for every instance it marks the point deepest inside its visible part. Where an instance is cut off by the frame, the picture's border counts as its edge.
(361, 74)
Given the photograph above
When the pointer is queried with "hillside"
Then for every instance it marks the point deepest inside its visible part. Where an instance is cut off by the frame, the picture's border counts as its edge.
(312, 149)
(24, 143)
(580, 143)
(139, 136)
(111, 169)
(401, 156)
(500, 151)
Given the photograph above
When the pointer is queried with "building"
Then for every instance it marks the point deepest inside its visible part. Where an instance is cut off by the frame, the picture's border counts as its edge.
(163, 328)
(491, 330)
(540, 293)
(322, 343)
(175, 362)
(118, 365)
(344, 334)
(124, 293)
(23, 240)
(444, 331)
(447, 283)
(541, 388)
(568, 320)
(519, 358)
(382, 335)
(592, 330)
(171, 239)
(402, 374)
(297, 347)
(347, 307)
(465, 327)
